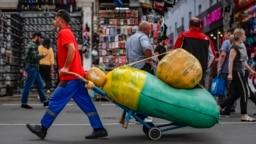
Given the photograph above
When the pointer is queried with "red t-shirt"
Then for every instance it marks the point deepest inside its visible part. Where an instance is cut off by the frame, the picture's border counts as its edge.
(66, 36)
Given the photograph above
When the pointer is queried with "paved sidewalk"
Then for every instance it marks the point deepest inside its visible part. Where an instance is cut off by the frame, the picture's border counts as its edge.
(33, 96)
(17, 98)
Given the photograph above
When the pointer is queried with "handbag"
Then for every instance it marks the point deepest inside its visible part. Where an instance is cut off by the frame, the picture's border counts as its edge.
(218, 86)
(251, 86)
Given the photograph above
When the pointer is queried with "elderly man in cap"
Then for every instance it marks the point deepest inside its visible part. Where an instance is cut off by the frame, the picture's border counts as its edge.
(70, 86)
(32, 58)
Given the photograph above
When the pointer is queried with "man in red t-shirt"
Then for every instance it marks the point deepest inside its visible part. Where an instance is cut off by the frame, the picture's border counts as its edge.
(70, 86)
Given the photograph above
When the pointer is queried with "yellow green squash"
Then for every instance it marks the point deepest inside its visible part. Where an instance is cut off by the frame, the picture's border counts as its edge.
(143, 92)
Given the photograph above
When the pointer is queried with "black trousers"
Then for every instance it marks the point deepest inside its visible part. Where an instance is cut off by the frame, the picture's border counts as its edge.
(237, 88)
(45, 71)
(147, 68)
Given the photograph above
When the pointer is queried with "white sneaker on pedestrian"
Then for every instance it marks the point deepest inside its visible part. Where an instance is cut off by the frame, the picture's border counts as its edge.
(149, 119)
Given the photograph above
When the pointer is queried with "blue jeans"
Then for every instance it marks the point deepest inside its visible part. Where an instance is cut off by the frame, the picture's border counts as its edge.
(33, 76)
(61, 96)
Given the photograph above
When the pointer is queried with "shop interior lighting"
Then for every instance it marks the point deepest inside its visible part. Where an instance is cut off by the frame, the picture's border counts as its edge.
(122, 8)
(211, 35)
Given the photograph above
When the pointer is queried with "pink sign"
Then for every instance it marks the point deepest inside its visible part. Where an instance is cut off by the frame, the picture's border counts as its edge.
(212, 17)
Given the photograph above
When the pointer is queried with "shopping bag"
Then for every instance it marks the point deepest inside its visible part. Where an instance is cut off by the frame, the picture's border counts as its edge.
(218, 86)
(251, 86)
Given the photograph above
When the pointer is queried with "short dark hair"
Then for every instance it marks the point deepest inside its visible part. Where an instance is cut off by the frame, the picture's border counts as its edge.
(37, 34)
(162, 38)
(231, 30)
(64, 15)
(46, 43)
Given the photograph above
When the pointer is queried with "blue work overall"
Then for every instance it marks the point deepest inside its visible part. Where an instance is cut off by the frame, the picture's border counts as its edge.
(61, 96)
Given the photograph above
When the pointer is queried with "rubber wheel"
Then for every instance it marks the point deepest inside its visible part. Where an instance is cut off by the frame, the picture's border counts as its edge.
(145, 129)
(154, 133)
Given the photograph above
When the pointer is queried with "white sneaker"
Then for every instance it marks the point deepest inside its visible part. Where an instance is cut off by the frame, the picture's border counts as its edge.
(149, 119)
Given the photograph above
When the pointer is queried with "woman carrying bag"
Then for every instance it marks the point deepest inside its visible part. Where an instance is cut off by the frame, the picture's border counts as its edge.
(236, 76)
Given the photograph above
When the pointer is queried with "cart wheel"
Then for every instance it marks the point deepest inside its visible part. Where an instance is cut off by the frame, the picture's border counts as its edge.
(154, 133)
(145, 129)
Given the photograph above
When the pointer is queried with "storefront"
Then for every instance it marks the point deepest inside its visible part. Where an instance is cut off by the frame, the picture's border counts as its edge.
(19, 20)
(245, 12)
(212, 23)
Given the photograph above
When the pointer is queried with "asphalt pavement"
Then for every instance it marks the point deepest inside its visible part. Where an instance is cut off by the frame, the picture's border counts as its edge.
(72, 125)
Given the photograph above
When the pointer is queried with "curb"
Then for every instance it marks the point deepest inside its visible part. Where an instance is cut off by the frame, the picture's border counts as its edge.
(18, 98)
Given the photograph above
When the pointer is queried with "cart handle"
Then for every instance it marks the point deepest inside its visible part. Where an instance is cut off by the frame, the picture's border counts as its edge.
(95, 88)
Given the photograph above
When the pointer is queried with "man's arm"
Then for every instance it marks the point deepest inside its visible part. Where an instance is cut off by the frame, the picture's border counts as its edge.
(179, 42)
(232, 56)
(52, 56)
(70, 55)
(52, 59)
(221, 60)
(224, 48)
(148, 55)
(147, 48)
(31, 53)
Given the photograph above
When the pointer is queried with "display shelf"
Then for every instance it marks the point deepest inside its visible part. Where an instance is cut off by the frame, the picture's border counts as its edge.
(115, 26)
(16, 30)
(42, 21)
(10, 53)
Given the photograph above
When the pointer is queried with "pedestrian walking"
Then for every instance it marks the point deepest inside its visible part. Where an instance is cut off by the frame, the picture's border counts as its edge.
(199, 45)
(46, 64)
(32, 58)
(236, 76)
(70, 86)
(160, 49)
(140, 52)
(223, 64)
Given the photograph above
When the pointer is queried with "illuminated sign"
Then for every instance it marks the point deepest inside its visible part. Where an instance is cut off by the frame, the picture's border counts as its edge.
(212, 17)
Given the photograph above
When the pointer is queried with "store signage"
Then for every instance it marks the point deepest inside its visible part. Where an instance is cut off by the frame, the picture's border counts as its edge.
(212, 17)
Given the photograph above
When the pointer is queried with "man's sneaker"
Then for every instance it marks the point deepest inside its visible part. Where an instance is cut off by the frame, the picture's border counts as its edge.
(225, 113)
(48, 91)
(148, 119)
(233, 110)
(26, 106)
(46, 103)
(101, 132)
(38, 130)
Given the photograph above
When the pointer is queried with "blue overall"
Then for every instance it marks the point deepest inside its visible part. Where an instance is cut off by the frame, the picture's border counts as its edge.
(61, 96)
